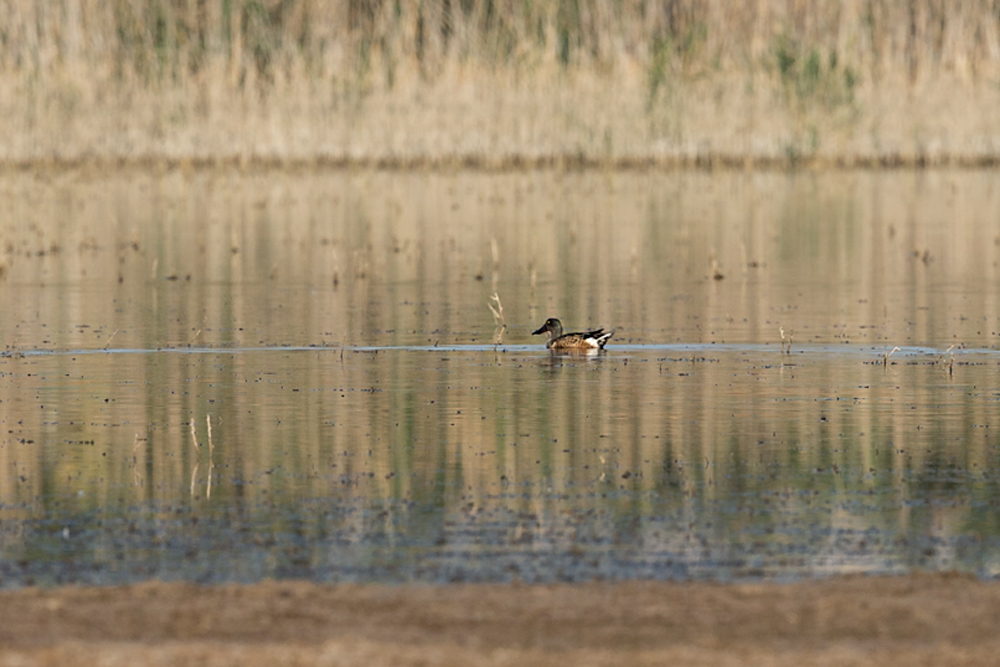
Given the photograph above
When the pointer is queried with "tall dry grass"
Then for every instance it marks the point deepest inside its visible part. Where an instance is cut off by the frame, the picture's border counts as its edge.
(499, 82)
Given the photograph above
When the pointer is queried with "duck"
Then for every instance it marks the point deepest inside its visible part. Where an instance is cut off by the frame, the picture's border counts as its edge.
(584, 340)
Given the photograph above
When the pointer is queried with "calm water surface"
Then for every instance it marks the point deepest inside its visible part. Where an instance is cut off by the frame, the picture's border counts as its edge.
(221, 376)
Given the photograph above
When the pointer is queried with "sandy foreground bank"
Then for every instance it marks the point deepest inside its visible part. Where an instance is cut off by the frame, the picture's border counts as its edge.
(914, 620)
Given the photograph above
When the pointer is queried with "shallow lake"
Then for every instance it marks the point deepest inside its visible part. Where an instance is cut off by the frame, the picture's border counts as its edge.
(224, 376)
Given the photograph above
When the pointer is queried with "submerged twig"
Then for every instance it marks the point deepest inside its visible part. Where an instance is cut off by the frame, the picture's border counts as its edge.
(886, 355)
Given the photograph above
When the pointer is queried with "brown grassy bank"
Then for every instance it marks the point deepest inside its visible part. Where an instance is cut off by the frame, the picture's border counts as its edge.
(917, 620)
(495, 83)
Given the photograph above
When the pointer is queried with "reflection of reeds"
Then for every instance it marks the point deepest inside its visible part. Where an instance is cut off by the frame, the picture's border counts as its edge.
(196, 451)
(485, 83)
(211, 452)
(138, 442)
(717, 273)
(196, 456)
(495, 251)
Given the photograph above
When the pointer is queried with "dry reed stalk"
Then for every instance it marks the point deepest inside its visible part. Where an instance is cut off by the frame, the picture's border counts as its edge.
(498, 311)
(501, 321)
(110, 338)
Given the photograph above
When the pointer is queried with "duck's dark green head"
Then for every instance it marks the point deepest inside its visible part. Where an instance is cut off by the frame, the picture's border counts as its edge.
(551, 324)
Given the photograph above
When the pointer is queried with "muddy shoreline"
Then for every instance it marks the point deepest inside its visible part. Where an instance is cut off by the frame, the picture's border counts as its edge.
(916, 619)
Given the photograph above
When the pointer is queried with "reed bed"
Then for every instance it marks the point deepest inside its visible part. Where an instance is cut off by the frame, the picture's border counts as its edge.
(499, 83)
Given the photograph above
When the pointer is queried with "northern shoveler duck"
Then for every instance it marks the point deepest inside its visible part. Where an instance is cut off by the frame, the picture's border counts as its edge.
(584, 340)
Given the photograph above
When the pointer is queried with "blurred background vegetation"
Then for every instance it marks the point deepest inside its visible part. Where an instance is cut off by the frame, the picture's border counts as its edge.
(501, 82)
